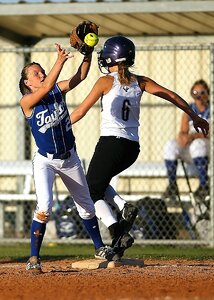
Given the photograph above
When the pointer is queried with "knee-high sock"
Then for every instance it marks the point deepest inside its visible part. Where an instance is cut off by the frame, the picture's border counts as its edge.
(112, 197)
(92, 227)
(37, 234)
(201, 164)
(104, 213)
(171, 166)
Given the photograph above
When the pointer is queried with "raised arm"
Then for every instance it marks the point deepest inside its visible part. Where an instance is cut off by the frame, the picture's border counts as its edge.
(45, 83)
(81, 74)
(152, 87)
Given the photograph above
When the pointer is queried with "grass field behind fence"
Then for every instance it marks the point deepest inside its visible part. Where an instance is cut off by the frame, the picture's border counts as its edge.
(20, 252)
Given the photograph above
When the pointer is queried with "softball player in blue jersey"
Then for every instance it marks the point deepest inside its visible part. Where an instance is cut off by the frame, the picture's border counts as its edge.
(43, 104)
(190, 146)
(120, 92)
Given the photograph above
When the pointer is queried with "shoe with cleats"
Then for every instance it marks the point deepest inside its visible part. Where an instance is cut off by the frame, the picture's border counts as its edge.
(34, 265)
(106, 252)
(129, 214)
(122, 243)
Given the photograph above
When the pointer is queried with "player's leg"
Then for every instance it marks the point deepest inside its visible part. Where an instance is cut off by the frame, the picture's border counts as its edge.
(114, 199)
(128, 211)
(98, 178)
(112, 155)
(171, 154)
(43, 180)
(199, 150)
(73, 177)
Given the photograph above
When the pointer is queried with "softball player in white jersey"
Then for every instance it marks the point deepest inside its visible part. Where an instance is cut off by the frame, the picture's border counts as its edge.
(190, 146)
(118, 147)
(43, 104)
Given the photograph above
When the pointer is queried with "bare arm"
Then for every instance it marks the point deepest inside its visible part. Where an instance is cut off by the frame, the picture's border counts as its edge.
(102, 86)
(30, 100)
(185, 137)
(152, 87)
(81, 74)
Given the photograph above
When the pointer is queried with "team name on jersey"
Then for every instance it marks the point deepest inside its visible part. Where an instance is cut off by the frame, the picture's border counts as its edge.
(45, 121)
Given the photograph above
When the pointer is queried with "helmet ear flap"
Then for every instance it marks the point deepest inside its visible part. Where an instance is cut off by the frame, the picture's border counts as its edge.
(102, 63)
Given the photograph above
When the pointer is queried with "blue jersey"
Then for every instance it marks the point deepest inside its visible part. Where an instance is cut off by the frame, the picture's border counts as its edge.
(204, 115)
(50, 123)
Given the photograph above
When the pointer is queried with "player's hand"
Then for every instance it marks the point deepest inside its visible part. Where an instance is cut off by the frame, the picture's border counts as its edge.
(202, 124)
(63, 55)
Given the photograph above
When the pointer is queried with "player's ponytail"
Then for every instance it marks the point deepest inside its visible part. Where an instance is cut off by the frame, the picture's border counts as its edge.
(124, 75)
(22, 87)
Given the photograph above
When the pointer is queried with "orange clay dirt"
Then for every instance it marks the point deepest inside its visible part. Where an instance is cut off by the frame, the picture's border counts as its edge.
(157, 280)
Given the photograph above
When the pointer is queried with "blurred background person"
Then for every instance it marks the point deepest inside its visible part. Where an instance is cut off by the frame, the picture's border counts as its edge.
(190, 146)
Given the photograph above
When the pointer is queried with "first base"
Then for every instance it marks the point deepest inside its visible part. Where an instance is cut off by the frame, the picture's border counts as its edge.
(93, 264)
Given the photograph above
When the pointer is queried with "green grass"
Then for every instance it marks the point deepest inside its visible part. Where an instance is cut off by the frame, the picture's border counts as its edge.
(20, 252)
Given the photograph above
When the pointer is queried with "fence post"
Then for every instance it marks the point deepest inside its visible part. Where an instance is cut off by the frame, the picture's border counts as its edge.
(211, 240)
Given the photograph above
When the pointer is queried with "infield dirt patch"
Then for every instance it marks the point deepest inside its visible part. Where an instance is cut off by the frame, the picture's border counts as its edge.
(156, 280)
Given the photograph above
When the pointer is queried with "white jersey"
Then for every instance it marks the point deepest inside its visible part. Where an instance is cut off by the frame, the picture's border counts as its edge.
(121, 110)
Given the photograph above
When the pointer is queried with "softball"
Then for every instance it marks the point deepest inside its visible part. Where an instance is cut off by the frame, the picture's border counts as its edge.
(91, 39)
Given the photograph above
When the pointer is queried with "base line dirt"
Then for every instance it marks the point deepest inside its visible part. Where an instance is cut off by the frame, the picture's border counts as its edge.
(156, 280)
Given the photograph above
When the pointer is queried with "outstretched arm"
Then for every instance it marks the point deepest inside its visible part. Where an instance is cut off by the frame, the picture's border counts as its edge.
(81, 74)
(152, 87)
(30, 100)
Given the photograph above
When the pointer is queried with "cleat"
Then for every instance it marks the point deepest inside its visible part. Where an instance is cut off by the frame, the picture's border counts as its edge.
(106, 252)
(129, 214)
(126, 241)
(34, 265)
(122, 243)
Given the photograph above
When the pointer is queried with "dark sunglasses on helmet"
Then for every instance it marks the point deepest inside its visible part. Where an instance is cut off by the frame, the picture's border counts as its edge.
(199, 93)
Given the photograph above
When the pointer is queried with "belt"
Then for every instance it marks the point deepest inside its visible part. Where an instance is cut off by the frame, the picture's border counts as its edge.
(56, 155)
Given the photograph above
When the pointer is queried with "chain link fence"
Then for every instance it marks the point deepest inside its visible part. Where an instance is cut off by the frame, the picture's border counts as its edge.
(183, 219)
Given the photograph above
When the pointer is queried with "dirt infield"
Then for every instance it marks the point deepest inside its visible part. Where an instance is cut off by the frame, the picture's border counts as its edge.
(156, 280)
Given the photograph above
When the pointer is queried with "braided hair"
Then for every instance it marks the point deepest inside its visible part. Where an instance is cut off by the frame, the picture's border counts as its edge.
(125, 77)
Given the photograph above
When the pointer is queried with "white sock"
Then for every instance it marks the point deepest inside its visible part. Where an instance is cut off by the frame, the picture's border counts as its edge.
(113, 198)
(104, 213)
(119, 201)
